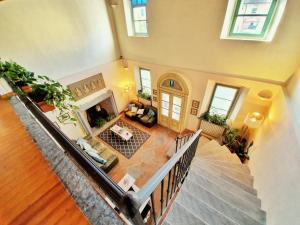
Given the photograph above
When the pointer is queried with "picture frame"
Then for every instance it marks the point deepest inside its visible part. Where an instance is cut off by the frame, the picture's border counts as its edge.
(195, 104)
(154, 91)
(194, 111)
(154, 98)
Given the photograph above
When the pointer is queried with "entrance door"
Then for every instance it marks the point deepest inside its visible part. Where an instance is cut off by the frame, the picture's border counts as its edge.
(171, 110)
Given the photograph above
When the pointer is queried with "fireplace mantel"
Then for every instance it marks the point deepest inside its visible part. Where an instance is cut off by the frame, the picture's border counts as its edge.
(90, 101)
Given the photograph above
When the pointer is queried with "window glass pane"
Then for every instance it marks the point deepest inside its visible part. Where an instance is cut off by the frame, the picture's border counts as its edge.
(177, 101)
(222, 100)
(225, 92)
(139, 13)
(165, 97)
(249, 25)
(175, 116)
(165, 112)
(176, 109)
(218, 111)
(221, 104)
(255, 7)
(138, 2)
(165, 105)
(140, 27)
(147, 90)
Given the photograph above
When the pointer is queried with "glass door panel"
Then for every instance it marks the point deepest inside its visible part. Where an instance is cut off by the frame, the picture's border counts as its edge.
(165, 104)
(176, 108)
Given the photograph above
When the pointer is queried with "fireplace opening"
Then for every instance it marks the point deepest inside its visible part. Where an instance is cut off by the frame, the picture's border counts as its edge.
(100, 114)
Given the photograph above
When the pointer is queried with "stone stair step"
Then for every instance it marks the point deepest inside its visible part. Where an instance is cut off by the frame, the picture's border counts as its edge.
(203, 211)
(229, 187)
(179, 215)
(245, 178)
(224, 154)
(226, 167)
(221, 158)
(252, 210)
(237, 166)
(235, 214)
(209, 147)
(236, 178)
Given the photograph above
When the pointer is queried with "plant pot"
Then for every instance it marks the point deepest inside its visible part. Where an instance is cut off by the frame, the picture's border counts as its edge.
(211, 129)
(26, 89)
(45, 107)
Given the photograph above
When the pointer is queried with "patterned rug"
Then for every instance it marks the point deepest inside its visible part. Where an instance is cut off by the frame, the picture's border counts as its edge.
(126, 148)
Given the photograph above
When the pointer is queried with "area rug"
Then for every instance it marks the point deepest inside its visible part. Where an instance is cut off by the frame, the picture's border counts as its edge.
(126, 148)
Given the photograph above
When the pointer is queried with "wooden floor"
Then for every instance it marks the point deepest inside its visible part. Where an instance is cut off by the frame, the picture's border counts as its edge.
(30, 192)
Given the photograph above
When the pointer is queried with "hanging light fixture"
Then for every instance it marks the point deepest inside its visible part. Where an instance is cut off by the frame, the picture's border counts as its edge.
(124, 63)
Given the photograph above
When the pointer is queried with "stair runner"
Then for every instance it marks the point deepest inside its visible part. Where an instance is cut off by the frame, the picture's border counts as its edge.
(217, 191)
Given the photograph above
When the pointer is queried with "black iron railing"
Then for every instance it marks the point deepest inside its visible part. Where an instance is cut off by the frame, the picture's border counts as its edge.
(168, 178)
(163, 186)
(181, 139)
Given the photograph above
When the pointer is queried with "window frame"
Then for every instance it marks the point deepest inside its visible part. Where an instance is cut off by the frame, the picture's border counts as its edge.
(233, 101)
(133, 20)
(141, 82)
(269, 16)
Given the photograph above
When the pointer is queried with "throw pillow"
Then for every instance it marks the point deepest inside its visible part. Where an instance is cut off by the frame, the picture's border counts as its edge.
(130, 106)
(134, 109)
(140, 112)
(151, 113)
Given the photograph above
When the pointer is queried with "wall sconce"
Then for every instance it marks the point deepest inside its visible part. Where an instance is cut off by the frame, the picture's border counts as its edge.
(126, 89)
(124, 63)
(254, 120)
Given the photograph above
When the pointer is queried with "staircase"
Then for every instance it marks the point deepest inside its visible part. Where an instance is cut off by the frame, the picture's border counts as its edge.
(217, 191)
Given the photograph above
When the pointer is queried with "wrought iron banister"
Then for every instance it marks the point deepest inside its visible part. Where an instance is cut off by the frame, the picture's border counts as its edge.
(175, 170)
(182, 139)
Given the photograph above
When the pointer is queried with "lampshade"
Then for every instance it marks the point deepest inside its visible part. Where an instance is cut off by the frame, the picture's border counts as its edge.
(254, 120)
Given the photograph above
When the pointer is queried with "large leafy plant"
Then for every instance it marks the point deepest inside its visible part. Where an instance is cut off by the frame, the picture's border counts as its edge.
(215, 119)
(53, 93)
(16, 73)
(144, 95)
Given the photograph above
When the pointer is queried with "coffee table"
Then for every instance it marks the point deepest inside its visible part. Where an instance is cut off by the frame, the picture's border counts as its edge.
(123, 132)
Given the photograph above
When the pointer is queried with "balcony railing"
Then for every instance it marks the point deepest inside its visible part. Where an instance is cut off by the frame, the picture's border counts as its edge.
(168, 178)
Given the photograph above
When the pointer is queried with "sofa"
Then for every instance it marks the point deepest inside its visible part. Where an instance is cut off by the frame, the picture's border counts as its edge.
(129, 113)
(104, 152)
(149, 116)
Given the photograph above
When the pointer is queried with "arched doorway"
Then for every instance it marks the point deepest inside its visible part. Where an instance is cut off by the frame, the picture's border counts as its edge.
(172, 101)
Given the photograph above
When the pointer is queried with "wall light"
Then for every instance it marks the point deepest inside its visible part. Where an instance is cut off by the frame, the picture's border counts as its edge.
(254, 120)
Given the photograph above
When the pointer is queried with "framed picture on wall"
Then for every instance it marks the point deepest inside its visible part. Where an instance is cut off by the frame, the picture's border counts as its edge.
(194, 111)
(154, 91)
(195, 104)
(154, 98)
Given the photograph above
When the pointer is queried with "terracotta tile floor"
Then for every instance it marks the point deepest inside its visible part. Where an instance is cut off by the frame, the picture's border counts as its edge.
(149, 158)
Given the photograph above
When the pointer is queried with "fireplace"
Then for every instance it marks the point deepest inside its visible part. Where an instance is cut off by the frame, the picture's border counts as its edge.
(96, 110)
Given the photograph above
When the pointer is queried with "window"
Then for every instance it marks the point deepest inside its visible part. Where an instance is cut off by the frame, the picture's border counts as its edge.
(136, 17)
(222, 100)
(139, 16)
(145, 78)
(252, 19)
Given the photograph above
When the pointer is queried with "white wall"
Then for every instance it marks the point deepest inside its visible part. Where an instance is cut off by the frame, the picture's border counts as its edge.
(198, 82)
(56, 37)
(275, 159)
(186, 34)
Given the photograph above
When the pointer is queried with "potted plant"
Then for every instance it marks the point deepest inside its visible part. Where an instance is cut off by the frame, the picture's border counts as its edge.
(230, 137)
(17, 74)
(100, 122)
(50, 94)
(144, 97)
(212, 124)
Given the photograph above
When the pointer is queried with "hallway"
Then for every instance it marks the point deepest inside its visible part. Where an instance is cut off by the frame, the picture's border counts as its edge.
(30, 192)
